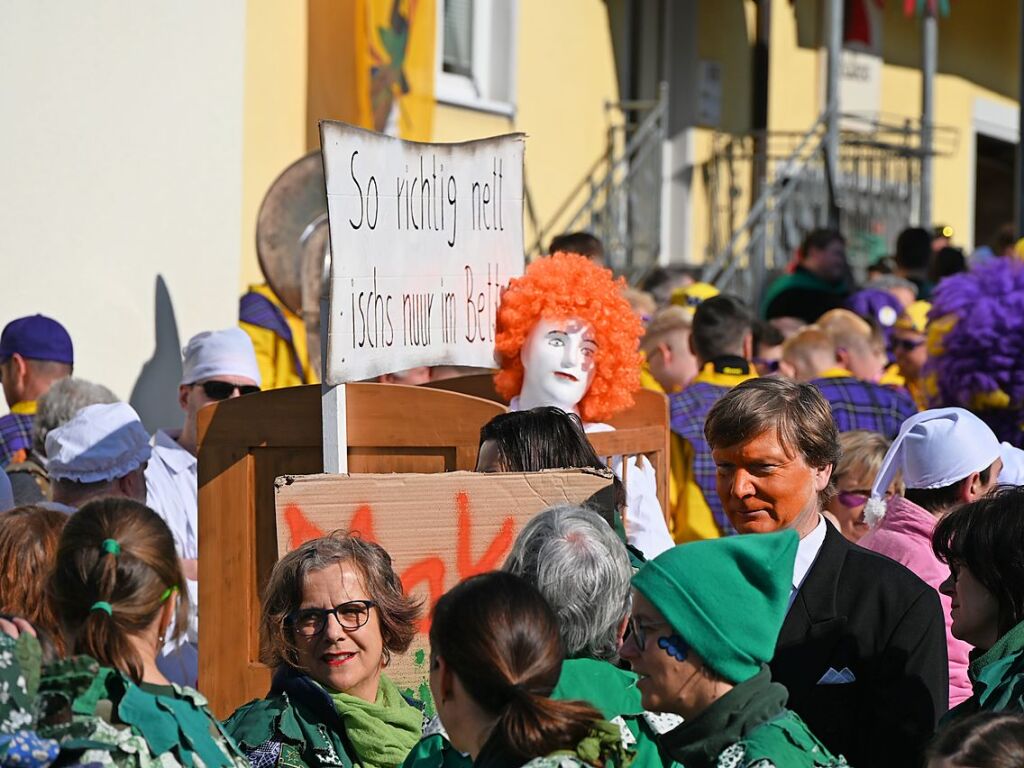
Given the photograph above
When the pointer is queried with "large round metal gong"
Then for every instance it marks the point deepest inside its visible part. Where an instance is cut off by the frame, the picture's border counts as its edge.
(291, 230)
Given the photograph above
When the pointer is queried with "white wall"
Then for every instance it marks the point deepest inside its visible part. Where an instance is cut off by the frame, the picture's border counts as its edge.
(120, 166)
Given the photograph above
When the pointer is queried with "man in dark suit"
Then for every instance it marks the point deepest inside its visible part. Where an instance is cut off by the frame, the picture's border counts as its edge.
(863, 649)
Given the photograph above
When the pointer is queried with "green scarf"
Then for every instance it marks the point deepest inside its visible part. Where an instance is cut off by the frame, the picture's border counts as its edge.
(382, 732)
(698, 742)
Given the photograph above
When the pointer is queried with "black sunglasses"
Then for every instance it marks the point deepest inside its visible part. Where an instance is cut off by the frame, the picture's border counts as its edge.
(907, 345)
(222, 390)
(310, 622)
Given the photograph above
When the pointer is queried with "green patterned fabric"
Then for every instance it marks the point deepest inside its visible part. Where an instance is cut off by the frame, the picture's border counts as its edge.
(997, 677)
(381, 732)
(749, 727)
(20, 744)
(281, 731)
(299, 725)
(99, 715)
(601, 748)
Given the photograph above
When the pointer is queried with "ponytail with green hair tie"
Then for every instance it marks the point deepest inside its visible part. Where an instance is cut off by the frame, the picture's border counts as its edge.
(111, 547)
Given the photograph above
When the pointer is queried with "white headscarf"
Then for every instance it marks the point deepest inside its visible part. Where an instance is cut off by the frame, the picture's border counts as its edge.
(933, 449)
(101, 442)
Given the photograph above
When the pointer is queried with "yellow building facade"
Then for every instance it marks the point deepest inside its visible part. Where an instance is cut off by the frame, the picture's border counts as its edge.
(558, 65)
(303, 65)
(975, 88)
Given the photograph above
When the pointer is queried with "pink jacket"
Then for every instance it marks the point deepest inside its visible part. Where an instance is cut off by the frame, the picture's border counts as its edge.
(905, 535)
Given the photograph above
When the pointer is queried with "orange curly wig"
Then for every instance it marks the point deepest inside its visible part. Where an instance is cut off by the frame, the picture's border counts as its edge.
(566, 286)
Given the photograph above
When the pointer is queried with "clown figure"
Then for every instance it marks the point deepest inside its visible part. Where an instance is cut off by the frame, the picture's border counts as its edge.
(567, 338)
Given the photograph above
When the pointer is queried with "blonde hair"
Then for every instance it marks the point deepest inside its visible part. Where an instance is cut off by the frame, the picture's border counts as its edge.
(810, 352)
(846, 329)
(864, 451)
(667, 321)
(641, 301)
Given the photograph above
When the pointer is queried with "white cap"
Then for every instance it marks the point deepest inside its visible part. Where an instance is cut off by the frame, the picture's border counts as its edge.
(6, 492)
(933, 449)
(101, 442)
(1012, 472)
(219, 353)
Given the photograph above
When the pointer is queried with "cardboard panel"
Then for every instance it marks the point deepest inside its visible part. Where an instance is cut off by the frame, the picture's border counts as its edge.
(439, 529)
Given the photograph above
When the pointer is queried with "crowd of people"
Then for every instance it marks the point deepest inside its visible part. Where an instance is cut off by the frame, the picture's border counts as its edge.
(837, 578)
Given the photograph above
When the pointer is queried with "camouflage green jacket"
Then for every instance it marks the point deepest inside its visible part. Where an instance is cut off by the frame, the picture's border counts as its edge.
(87, 713)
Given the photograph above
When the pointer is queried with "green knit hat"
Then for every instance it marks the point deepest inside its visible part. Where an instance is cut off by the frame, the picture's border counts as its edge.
(727, 598)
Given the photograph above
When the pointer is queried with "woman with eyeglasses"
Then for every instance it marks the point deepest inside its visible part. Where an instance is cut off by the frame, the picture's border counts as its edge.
(705, 658)
(862, 454)
(116, 591)
(334, 612)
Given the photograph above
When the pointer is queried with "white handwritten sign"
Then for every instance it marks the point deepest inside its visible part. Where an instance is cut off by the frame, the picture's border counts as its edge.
(424, 237)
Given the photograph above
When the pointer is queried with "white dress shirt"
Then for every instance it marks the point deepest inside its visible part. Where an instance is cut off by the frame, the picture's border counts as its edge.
(806, 553)
(172, 491)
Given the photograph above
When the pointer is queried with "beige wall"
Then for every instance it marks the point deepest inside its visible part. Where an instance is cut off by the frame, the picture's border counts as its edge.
(120, 149)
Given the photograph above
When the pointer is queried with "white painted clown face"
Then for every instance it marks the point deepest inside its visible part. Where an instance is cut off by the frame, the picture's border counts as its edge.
(558, 364)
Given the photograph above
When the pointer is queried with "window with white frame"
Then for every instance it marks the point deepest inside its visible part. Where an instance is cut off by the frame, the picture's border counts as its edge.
(476, 44)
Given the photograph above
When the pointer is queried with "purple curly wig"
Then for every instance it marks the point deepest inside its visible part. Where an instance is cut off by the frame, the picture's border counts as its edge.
(983, 353)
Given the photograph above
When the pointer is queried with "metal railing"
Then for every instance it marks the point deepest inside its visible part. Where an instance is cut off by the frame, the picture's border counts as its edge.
(619, 198)
(755, 228)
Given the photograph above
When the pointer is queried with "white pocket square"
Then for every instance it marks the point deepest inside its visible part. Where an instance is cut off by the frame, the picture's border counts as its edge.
(842, 677)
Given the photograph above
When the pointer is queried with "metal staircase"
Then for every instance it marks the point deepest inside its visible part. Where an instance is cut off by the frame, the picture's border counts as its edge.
(618, 199)
(752, 239)
(754, 229)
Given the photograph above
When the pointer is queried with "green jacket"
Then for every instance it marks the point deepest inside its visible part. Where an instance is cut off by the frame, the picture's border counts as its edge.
(87, 713)
(749, 727)
(612, 691)
(997, 677)
(810, 296)
(295, 726)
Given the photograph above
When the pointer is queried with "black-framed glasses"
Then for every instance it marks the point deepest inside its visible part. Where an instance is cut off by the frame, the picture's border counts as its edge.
(639, 631)
(769, 366)
(310, 622)
(222, 390)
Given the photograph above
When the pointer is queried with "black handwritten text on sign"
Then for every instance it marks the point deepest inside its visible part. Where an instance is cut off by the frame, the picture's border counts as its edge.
(424, 238)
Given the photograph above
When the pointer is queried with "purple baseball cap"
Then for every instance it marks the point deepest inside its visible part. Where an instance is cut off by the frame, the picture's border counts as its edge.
(37, 337)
